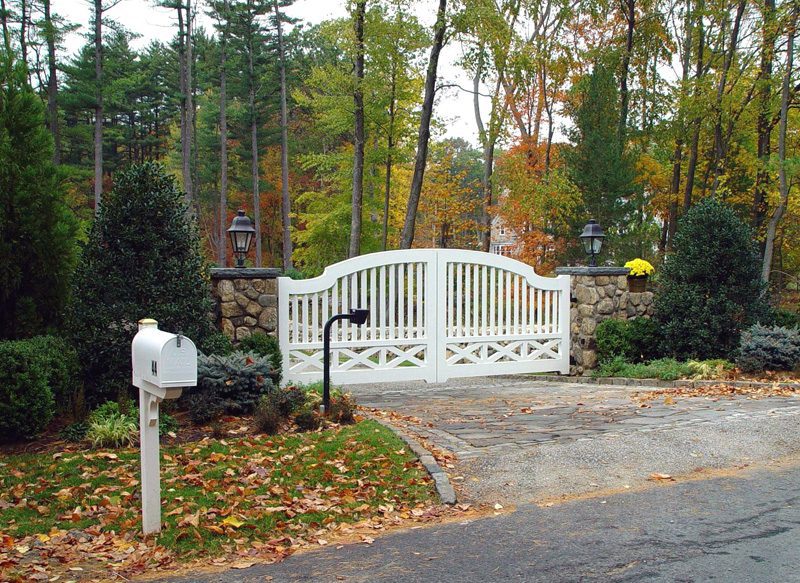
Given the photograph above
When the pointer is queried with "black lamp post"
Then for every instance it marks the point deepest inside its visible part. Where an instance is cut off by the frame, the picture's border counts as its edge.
(358, 317)
(592, 238)
(241, 232)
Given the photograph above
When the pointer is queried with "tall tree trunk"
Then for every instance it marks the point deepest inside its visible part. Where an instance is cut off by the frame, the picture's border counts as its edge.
(698, 74)
(4, 22)
(23, 31)
(358, 145)
(98, 105)
(764, 123)
(285, 201)
(223, 140)
(254, 148)
(629, 7)
(186, 146)
(407, 235)
(720, 143)
(677, 155)
(52, 82)
(786, 89)
(387, 189)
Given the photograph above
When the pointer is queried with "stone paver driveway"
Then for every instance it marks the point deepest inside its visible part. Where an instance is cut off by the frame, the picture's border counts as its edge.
(473, 417)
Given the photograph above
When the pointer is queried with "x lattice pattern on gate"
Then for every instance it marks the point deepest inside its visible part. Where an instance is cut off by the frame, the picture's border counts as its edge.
(434, 314)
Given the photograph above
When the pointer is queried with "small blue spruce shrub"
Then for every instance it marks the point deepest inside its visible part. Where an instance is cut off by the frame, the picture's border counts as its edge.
(764, 348)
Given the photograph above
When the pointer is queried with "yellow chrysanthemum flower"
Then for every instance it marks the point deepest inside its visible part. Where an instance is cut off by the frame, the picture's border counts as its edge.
(640, 267)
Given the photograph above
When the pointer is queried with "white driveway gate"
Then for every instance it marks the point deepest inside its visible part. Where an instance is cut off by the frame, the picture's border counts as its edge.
(434, 314)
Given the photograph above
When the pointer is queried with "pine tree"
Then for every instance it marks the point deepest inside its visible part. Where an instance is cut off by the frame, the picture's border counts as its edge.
(142, 260)
(37, 230)
(598, 165)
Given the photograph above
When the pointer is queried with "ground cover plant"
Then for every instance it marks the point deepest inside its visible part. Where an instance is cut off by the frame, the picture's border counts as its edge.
(230, 499)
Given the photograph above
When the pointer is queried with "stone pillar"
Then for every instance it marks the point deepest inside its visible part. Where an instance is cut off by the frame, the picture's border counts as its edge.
(246, 300)
(599, 293)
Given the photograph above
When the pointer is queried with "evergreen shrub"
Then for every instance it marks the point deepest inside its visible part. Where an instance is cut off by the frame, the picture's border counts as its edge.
(769, 348)
(636, 340)
(785, 318)
(710, 286)
(37, 227)
(231, 384)
(142, 260)
(60, 363)
(264, 345)
(216, 343)
(26, 401)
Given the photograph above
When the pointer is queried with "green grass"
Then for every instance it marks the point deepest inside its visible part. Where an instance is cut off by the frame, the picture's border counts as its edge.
(666, 369)
(314, 479)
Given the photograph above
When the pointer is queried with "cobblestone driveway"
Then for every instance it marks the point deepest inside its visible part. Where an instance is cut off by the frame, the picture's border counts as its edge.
(474, 417)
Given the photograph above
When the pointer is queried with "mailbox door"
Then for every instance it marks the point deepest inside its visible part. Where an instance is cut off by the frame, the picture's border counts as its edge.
(178, 366)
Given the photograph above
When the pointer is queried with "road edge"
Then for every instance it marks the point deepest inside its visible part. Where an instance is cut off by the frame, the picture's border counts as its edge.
(444, 489)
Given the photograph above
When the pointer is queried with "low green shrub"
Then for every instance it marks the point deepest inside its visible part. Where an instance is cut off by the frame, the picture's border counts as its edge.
(769, 348)
(612, 340)
(785, 318)
(293, 273)
(203, 408)
(110, 426)
(74, 432)
(60, 362)
(268, 416)
(216, 343)
(228, 384)
(666, 369)
(644, 335)
(167, 423)
(636, 340)
(26, 400)
(264, 345)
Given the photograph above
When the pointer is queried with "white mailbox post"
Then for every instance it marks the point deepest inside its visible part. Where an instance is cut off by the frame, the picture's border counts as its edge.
(163, 364)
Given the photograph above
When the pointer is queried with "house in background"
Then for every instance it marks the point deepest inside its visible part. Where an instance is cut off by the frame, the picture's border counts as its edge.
(503, 240)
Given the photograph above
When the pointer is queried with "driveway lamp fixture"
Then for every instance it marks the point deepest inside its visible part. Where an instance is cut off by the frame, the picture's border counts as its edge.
(356, 316)
(241, 232)
(592, 238)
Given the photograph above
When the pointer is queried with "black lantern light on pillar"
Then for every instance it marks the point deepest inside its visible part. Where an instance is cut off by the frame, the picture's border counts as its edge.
(592, 238)
(241, 232)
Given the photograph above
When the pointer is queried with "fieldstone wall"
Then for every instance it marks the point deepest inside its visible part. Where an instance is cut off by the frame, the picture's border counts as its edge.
(599, 293)
(246, 300)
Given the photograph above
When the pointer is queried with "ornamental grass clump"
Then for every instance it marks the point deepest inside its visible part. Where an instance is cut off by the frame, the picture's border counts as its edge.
(640, 268)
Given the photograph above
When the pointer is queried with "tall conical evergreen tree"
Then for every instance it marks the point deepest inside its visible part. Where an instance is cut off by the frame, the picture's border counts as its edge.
(598, 165)
(142, 260)
(37, 229)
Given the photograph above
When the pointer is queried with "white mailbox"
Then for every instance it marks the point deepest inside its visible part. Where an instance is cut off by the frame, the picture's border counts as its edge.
(162, 365)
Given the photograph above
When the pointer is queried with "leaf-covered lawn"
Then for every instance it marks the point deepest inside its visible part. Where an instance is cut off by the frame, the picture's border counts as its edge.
(76, 514)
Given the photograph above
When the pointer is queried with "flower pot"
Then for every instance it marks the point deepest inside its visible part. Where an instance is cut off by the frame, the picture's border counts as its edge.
(637, 283)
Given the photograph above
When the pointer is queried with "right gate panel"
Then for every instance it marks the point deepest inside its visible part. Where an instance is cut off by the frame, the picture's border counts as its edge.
(497, 316)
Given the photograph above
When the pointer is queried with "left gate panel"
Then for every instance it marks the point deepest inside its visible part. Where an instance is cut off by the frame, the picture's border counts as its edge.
(394, 344)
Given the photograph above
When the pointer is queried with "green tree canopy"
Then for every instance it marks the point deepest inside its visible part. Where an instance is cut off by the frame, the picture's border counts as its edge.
(37, 229)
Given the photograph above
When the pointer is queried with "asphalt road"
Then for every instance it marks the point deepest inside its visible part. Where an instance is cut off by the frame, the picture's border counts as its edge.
(744, 528)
